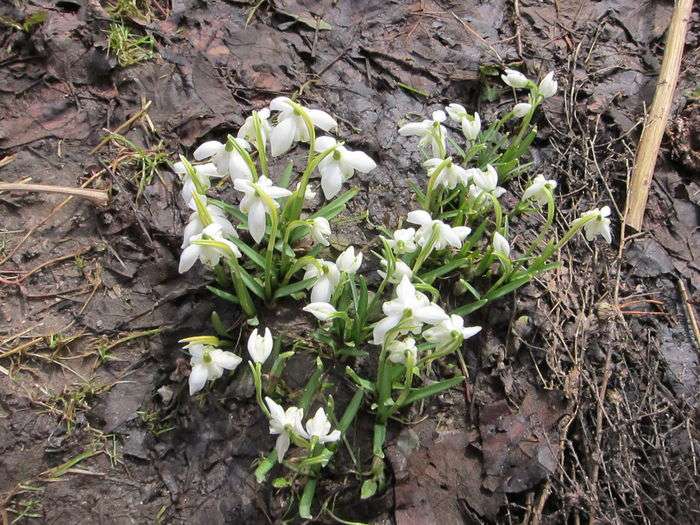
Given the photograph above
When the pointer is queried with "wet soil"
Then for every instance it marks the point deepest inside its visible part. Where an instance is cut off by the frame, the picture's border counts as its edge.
(583, 389)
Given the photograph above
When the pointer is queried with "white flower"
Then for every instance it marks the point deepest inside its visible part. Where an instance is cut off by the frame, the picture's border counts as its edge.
(327, 280)
(247, 130)
(548, 86)
(451, 329)
(204, 173)
(339, 166)
(260, 346)
(283, 422)
(208, 363)
(321, 311)
(309, 193)
(522, 109)
(403, 241)
(471, 125)
(228, 163)
(400, 269)
(320, 230)
(291, 127)
(320, 428)
(500, 244)
(486, 182)
(600, 225)
(515, 78)
(446, 234)
(208, 255)
(413, 307)
(399, 350)
(255, 205)
(536, 190)
(348, 262)
(432, 132)
(195, 226)
(451, 175)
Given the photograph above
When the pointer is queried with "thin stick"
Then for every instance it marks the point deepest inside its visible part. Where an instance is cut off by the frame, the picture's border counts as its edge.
(99, 197)
(121, 128)
(691, 312)
(653, 132)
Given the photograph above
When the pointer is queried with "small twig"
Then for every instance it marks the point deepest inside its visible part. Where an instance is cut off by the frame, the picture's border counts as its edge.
(653, 132)
(99, 197)
(121, 128)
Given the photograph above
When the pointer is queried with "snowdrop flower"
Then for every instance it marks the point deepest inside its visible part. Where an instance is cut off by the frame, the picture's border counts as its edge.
(320, 428)
(203, 171)
(195, 225)
(348, 262)
(471, 125)
(446, 234)
(291, 127)
(600, 225)
(321, 311)
(500, 244)
(486, 182)
(309, 193)
(410, 307)
(257, 197)
(228, 163)
(548, 86)
(320, 230)
(522, 109)
(432, 132)
(536, 190)
(208, 255)
(399, 350)
(450, 176)
(208, 363)
(451, 329)
(400, 269)
(247, 131)
(282, 422)
(340, 165)
(260, 346)
(403, 241)
(514, 78)
(327, 280)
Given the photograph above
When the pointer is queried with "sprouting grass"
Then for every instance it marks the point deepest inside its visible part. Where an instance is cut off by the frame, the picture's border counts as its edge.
(128, 47)
(146, 161)
(139, 10)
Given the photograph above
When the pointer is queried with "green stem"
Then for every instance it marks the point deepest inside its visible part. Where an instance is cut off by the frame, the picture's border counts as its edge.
(426, 250)
(240, 287)
(256, 370)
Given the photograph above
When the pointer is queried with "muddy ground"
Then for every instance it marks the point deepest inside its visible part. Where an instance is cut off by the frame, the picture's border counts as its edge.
(584, 387)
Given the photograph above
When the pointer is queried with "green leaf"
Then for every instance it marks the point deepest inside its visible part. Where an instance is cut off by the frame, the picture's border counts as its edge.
(286, 175)
(231, 210)
(266, 466)
(311, 388)
(292, 288)
(336, 206)
(219, 327)
(251, 283)
(351, 411)
(280, 483)
(507, 288)
(224, 295)
(369, 489)
(359, 381)
(249, 252)
(470, 307)
(431, 390)
(430, 276)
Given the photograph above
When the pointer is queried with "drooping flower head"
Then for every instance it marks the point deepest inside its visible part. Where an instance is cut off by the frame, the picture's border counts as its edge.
(450, 176)
(450, 330)
(486, 182)
(321, 311)
(247, 130)
(209, 256)
(340, 165)
(537, 189)
(548, 86)
(500, 244)
(598, 225)
(320, 428)
(282, 422)
(291, 127)
(208, 363)
(348, 261)
(320, 230)
(327, 278)
(399, 350)
(445, 235)
(203, 172)
(229, 163)
(514, 78)
(471, 124)
(260, 346)
(258, 198)
(431, 132)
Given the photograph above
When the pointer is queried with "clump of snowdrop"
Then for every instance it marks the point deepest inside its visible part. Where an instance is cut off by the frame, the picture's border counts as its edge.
(271, 244)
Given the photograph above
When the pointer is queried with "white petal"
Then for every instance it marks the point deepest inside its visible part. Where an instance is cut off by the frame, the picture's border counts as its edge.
(198, 378)
(382, 327)
(420, 217)
(208, 149)
(323, 143)
(331, 180)
(227, 360)
(282, 446)
(256, 220)
(359, 161)
(280, 104)
(415, 129)
(282, 137)
(431, 314)
(322, 119)
(188, 257)
(321, 291)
